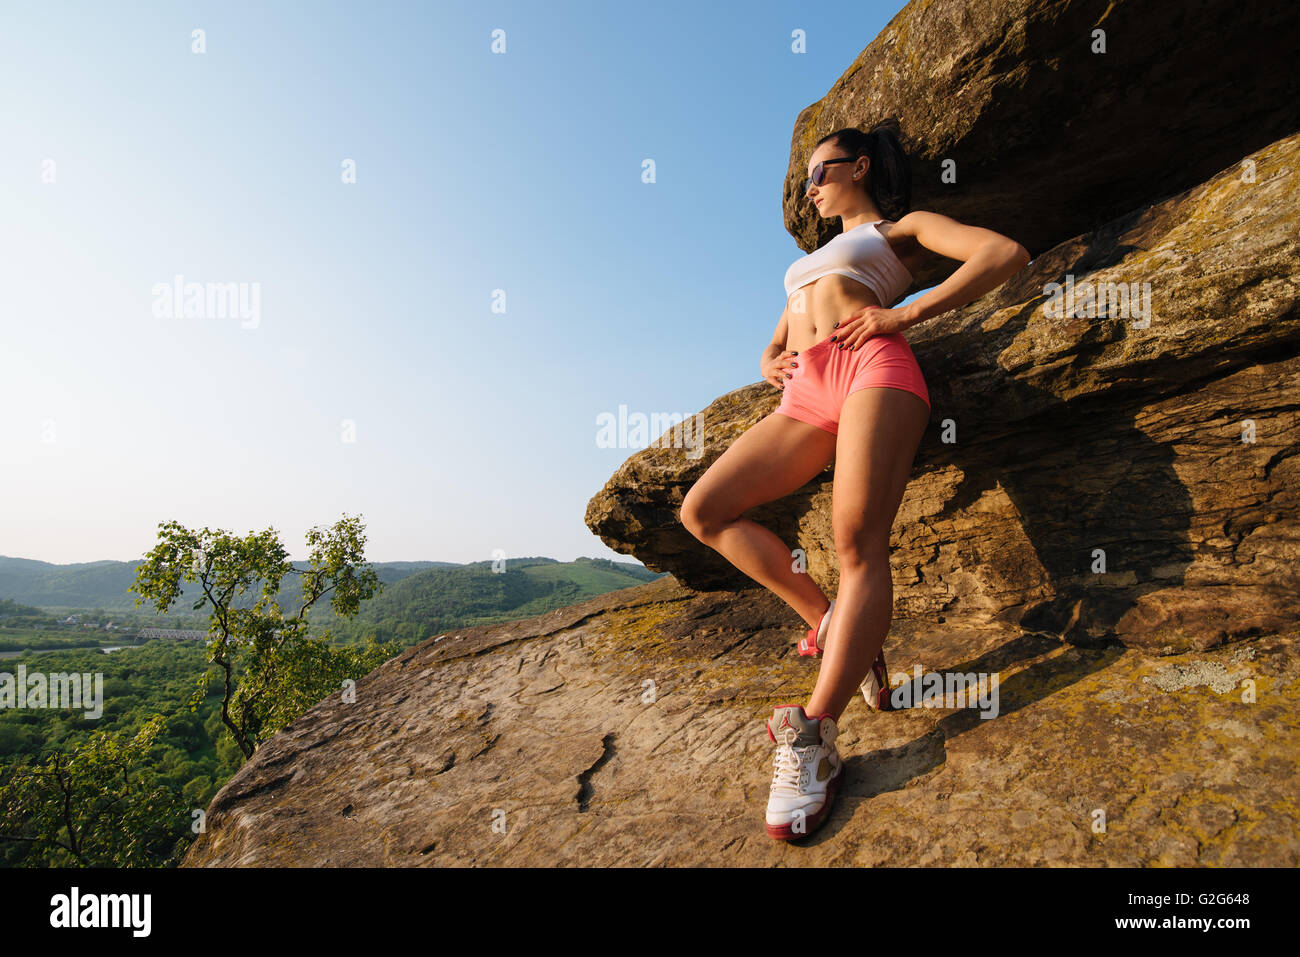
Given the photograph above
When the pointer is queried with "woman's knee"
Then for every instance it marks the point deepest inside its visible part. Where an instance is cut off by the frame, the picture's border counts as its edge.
(862, 550)
(701, 514)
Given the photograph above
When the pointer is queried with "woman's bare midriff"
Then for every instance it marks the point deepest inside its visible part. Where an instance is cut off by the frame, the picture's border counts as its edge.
(826, 301)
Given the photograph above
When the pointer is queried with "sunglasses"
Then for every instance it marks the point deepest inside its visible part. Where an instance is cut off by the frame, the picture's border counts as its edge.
(819, 172)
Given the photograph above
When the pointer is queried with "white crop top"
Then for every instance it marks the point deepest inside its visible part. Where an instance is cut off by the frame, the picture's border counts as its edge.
(861, 253)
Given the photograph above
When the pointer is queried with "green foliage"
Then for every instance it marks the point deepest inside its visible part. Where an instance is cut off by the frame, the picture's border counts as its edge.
(100, 805)
(157, 678)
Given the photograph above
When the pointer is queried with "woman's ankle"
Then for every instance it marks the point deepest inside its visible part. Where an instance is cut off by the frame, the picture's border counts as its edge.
(818, 615)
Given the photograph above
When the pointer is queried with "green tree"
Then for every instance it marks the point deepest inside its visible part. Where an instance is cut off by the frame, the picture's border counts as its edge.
(271, 669)
(97, 805)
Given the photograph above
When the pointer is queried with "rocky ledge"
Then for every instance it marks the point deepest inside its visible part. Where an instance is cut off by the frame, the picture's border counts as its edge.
(628, 730)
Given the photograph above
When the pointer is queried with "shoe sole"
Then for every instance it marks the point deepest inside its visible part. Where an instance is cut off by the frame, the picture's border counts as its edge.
(785, 832)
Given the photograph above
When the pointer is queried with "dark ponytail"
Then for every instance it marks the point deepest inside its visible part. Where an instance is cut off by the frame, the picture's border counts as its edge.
(889, 178)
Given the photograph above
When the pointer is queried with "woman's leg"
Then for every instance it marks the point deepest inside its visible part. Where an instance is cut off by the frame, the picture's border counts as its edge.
(773, 458)
(880, 431)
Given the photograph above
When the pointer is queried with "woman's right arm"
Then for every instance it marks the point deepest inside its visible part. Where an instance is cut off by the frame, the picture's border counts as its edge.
(777, 363)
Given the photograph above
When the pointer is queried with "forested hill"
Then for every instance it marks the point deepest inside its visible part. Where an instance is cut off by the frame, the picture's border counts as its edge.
(418, 598)
(430, 602)
(103, 584)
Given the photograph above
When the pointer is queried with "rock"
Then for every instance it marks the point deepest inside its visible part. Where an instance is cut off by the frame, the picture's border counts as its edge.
(1048, 138)
(628, 730)
(1080, 475)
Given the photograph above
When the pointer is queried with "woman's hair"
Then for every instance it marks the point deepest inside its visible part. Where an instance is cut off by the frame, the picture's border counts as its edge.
(889, 179)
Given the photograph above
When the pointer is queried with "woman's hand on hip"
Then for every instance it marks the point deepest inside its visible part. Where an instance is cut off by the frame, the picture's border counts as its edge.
(867, 322)
(778, 369)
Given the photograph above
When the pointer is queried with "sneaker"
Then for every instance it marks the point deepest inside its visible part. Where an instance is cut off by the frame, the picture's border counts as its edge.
(812, 646)
(876, 688)
(807, 772)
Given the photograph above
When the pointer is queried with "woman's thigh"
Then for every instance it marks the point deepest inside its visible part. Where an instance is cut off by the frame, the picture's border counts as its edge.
(774, 457)
(880, 431)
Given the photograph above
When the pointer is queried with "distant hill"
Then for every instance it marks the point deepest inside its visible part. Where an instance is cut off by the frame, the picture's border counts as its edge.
(431, 602)
(419, 599)
(104, 584)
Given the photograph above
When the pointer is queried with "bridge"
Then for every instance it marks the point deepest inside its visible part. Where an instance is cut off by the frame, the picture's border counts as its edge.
(176, 634)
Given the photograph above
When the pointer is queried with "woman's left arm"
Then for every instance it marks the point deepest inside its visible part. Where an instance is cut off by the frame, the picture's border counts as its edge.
(988, 260)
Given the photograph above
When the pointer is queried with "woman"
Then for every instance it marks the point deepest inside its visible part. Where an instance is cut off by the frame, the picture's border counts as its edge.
(854, 394)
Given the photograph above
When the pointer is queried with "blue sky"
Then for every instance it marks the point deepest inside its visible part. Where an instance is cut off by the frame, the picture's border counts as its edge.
(375, 376)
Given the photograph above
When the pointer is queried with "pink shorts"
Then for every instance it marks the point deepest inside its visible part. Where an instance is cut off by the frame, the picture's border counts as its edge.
(826, 375)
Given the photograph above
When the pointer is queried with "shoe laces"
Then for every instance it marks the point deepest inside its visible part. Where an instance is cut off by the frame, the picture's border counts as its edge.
(788, 765)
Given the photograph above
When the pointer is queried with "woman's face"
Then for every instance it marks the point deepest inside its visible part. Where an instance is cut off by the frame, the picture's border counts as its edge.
(832, 197)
